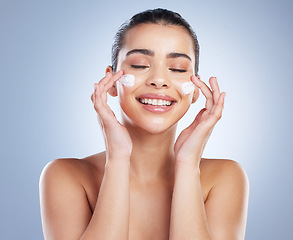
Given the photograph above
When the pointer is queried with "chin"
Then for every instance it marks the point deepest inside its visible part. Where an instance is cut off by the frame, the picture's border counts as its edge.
(156, 129)
(154, 125)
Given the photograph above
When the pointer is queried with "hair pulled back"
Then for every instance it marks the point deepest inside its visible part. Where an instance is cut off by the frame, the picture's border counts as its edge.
(158, 16)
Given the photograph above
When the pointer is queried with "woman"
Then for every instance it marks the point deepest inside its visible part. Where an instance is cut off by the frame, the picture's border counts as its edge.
(146, 185)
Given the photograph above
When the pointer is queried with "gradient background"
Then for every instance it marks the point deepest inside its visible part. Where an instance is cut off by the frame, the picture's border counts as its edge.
(52, 52)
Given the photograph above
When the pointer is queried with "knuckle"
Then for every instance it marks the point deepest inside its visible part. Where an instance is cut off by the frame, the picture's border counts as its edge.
(96, 108)
(219, 116)
(98, 87)
(216, 117)
(97, 105)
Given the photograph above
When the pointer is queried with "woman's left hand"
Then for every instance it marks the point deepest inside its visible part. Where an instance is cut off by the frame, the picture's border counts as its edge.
(191, 142)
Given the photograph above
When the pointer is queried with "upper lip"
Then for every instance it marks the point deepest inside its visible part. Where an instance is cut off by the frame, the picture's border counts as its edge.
(156, 96)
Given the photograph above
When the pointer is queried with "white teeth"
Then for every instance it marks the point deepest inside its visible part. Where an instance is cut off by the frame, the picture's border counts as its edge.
(155, 102)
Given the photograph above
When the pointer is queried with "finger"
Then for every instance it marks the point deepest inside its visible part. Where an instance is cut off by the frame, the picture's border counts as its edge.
(98, 97)
(101, 106)
(197, 118)
(206, 92)
(115, 78)
(215, 89)
(107, 82)
(217, 83)
(105, 79)
(218, 110)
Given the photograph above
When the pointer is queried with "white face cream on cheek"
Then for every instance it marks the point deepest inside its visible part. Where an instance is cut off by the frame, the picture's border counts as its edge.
(127, 80)
(187, 87)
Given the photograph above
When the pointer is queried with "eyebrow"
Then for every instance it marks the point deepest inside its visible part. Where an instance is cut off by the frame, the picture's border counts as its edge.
(149, 52)
(176, 55)
(141, 51)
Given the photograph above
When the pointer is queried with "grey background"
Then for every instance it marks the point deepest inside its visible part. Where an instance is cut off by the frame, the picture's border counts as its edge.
(52, 52)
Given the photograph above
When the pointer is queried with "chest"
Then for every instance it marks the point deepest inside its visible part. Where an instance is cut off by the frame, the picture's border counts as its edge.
(150, 209)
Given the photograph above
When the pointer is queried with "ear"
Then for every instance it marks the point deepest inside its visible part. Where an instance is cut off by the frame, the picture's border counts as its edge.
(113, 90)
(196, 92)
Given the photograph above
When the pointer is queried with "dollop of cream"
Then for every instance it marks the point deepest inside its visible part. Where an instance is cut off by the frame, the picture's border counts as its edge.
(127, 80)
(187, 87)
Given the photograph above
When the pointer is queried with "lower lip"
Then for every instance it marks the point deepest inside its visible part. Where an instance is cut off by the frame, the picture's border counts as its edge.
(157, 109)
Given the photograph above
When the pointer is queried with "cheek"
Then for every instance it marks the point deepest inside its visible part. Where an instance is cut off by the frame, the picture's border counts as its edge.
(125, 96)
(185, 89)
(127, 80)
(125, 85)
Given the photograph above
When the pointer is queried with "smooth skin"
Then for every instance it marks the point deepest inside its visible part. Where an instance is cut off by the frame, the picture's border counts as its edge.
(147, 185)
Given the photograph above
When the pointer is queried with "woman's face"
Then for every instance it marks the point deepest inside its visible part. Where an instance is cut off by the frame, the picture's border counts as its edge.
(161, 58)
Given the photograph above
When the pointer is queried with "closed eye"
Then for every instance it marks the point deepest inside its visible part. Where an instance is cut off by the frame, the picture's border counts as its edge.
(177, 70)
(139, 66)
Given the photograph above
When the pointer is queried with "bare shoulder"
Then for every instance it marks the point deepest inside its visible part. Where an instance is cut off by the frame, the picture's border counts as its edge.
(227, 203)
(223, 171)
(61, 166)
(64, 184)
(222, 168)
(74, 168)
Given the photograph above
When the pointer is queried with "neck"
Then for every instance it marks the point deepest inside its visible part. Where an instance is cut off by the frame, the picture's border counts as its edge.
(152, 157)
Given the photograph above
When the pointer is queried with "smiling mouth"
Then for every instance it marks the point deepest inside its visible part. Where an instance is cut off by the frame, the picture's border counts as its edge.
(155, 102)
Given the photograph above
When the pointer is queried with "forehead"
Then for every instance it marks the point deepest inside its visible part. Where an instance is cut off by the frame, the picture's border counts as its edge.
(162, 39)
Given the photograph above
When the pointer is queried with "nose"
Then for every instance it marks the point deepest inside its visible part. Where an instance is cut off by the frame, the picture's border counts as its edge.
(158, 79)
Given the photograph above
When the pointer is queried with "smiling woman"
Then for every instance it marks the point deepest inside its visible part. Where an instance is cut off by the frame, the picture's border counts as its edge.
(147, 185)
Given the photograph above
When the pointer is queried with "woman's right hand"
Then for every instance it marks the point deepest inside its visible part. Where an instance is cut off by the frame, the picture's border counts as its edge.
(117, 139)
